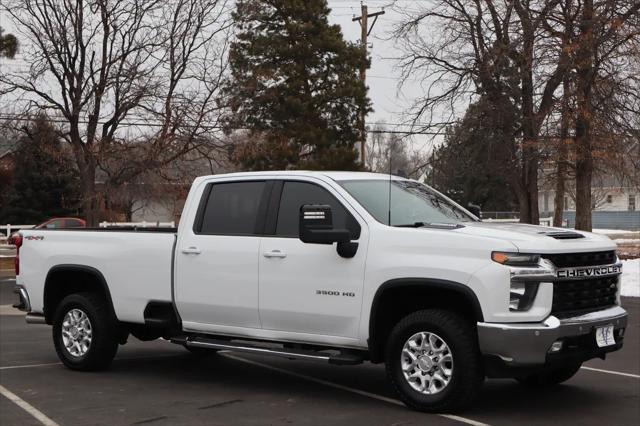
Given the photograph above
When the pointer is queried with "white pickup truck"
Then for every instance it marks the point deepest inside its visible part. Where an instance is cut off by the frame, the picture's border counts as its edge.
(341, 267)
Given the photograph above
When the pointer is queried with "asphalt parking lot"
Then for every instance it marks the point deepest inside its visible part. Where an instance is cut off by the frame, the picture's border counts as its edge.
(158, 383)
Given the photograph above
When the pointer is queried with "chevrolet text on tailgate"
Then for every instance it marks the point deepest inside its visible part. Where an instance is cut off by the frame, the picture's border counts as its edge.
(335, 267)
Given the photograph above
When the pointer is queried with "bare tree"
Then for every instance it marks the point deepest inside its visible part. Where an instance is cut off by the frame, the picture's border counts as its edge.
(390, 153)
(562, 153)
(462, 49)
(100, 65)
(609, 33)
(601, 96)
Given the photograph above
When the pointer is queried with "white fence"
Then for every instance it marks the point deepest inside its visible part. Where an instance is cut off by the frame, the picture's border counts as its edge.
(8, 229)
(142, 224)
(544, 221)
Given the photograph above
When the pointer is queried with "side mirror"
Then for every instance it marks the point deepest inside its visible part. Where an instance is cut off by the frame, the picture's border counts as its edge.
(316, 226)
(475, 209)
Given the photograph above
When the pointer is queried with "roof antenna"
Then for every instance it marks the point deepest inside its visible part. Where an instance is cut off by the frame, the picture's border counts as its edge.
(389, 154)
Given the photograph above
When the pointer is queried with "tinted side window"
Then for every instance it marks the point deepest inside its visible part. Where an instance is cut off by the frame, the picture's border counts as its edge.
(296, 194)
(72, 223)
(232, 208)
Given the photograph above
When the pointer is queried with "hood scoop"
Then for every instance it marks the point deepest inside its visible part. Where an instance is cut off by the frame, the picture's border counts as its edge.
(563, 235)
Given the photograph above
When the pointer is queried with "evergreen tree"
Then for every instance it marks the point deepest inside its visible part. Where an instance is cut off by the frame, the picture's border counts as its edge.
(473, 165)
(294, 86)
(44, 183)
(8, 45)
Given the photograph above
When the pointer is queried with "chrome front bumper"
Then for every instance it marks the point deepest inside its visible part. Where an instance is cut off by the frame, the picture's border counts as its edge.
(520, 344)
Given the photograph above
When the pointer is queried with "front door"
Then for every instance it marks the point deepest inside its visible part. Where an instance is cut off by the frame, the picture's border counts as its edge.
(217, 260)
(309, 288)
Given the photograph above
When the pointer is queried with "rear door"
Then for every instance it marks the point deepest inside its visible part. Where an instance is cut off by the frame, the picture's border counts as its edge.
(309, 288)
(217, 259)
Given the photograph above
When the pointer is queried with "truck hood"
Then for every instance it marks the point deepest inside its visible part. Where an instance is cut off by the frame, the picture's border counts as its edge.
(539, 239)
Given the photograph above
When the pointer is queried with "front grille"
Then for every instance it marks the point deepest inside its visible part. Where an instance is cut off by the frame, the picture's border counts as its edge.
(572, 298)
(568, 260)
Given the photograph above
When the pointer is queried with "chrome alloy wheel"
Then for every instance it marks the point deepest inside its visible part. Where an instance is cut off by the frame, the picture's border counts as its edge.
(427, 363)
(76, 332)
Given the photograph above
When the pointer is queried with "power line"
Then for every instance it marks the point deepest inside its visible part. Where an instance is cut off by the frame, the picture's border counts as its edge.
(58, 120)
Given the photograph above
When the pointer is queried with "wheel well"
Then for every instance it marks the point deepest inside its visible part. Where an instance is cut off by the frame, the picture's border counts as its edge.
(65, 280)
(396, 299)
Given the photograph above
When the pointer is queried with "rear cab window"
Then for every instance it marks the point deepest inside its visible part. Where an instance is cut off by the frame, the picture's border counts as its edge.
(232, 208)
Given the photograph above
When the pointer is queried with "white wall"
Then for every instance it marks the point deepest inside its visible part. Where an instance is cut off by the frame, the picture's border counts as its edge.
(157, 211)
(618, 201)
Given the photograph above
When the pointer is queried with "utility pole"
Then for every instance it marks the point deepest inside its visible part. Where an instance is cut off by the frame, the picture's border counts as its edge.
(366, 30)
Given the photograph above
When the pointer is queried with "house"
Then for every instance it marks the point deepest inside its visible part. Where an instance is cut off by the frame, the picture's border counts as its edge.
(7, 161)
(615, 200)
(8, 148)
(607, 194)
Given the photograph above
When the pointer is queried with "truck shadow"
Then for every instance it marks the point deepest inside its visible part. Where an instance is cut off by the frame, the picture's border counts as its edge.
(586, 394)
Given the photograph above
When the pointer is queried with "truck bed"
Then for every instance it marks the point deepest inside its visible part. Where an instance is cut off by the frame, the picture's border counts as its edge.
(135, 262)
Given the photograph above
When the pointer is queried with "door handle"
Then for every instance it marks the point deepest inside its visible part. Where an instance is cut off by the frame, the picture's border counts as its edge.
(275, 253)
(191, 250)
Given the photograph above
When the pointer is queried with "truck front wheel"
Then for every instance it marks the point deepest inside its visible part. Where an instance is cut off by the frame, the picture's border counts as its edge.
(433, 361)
(84, 332)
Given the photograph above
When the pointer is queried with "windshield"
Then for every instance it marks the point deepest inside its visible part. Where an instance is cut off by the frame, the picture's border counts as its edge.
(412, 203)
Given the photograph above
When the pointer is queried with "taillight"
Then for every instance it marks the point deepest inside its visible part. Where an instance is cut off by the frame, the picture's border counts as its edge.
(16, 240)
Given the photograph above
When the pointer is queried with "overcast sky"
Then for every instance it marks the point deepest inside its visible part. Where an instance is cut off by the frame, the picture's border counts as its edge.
(382, 77)
(389, 102)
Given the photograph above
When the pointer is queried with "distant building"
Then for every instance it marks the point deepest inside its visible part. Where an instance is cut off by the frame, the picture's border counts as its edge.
(8, 146)
(605, 197)
(7, 167)
(7, 161)
(615, 202)
(150, 198)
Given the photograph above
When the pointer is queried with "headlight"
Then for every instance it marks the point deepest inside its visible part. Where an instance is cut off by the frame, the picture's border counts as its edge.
(515, 259)
(526, 274)
(522, 295)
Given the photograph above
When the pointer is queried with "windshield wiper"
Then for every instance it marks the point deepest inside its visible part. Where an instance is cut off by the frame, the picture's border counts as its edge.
(430, 225)
(412, 225)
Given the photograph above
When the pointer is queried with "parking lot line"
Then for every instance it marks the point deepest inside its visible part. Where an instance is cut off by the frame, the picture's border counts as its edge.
(132, 358)
(12, 367)
(346, 388)
(617, 373)
(37, 414)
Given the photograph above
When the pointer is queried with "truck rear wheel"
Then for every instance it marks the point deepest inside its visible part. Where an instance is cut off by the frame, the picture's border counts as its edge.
(84, 332)
(551, 377)
(433, 361)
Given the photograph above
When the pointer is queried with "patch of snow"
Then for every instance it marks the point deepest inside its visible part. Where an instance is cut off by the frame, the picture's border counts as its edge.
(613, 231)
(627, 241)
(630, 278)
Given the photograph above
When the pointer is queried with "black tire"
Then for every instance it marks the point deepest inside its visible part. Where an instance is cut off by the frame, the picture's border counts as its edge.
(104, 332)
(467, 373)
(552, 376)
